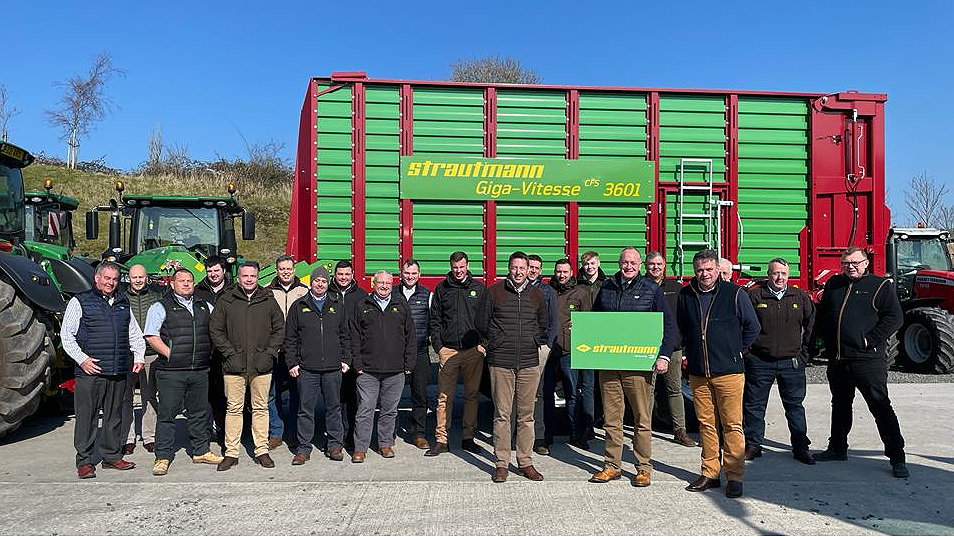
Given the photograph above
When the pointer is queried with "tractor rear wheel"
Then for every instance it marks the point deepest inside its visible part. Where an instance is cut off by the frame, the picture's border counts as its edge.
(26, 353)
(927, 340)
(892, 349)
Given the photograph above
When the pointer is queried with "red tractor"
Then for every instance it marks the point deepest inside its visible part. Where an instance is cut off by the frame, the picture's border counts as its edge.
(919, 262)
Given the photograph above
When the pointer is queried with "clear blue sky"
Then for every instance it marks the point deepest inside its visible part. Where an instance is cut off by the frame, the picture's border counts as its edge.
(213, 73)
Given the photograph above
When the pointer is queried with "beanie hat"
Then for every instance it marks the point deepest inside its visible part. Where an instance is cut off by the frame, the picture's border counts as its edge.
(320, 272)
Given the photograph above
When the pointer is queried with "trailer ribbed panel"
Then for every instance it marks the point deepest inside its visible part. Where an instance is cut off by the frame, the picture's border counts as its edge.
(334, 175)
(612, 125)
(382, 175)
(534, 229)
(449, 121)
(773, 178)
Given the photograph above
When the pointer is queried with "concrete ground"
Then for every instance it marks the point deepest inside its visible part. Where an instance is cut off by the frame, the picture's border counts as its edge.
(453, 494)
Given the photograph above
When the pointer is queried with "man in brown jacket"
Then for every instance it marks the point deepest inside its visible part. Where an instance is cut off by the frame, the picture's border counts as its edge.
(512, 320)
(248, 328)
(283, 394)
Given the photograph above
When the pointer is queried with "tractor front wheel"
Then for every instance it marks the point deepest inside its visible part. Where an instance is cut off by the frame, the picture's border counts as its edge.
(927, 340)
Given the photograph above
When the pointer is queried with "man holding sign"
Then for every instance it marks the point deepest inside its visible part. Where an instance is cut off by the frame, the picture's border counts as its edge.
(629, 291)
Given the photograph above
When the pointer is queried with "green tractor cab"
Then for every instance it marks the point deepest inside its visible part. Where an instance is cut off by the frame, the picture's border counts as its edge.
(49, 223)
(164, 233)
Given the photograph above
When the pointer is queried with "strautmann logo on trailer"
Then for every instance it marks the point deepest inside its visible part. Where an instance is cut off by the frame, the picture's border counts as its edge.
(442, 177)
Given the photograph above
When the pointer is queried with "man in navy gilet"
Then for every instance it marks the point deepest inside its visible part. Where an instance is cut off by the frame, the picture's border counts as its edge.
(177, 327)
(101, 335)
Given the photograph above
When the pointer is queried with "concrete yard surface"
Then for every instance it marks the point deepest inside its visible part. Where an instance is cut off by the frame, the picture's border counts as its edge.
(452, 494)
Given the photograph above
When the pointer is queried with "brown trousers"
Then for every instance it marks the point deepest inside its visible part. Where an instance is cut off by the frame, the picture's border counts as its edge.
(719, 400)
(507, 386)
(469, 364)
(235, 386)
(637, 387)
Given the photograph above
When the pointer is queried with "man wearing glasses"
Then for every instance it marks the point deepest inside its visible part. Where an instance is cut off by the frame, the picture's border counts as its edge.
(857, 314)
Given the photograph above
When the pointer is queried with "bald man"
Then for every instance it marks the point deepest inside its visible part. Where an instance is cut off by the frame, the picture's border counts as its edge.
(141, 295)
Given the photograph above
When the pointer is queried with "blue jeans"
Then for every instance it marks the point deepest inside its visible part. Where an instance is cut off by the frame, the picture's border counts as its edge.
(578, 392)
(282, 402)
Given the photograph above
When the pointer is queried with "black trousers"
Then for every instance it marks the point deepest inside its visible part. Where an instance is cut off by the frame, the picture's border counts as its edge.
(870, 378)
(178, 390)
(759, 376)
(217, 401)
(349, 404)
(312, 387)
(419, 379)
(92, 394)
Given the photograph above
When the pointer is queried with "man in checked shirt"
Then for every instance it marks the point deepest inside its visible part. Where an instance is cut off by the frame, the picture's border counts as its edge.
(102, 336)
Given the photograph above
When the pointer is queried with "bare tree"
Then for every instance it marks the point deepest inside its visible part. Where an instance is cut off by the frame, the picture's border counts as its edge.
(925, 199)
(946, 218)
(6, 112)
(493, 69)
(155, 147)
(84, 102)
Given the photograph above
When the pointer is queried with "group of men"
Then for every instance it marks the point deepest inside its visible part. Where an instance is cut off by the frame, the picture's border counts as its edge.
(290, 345)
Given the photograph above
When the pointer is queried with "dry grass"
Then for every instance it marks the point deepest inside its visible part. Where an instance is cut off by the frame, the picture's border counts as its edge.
(270, 203)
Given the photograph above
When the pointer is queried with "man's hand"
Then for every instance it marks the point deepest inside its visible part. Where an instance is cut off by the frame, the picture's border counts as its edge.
(345, 367)
(661, 366)
(293, 372)
(137, 367)
(89, 366)
(481, 350)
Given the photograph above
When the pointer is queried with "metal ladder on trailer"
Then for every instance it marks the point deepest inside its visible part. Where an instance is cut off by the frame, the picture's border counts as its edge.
(710, 218)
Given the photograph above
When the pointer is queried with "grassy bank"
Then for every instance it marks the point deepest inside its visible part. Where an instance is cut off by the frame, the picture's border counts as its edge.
(270, 204)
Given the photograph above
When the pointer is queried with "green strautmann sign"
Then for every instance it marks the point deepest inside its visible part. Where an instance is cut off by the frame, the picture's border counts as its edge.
(615, 340)
(441, 177)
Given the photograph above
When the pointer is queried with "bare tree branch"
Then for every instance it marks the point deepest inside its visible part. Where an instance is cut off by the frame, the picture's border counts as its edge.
(5, 112)
(946, 218)
(493, 69)
(925, 199)
(84, 102)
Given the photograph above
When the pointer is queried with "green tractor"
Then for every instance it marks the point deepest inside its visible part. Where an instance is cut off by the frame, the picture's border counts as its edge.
(164, 233)
(33, 287)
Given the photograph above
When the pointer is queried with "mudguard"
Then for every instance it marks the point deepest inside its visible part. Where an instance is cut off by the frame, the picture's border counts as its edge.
(32, 281)
(74, 275)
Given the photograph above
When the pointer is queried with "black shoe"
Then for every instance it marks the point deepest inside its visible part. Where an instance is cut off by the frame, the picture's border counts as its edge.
(803, 456)
(733, 489)
(900, 470)
(831, 455)
(753, 452)
(468, 444)
(541, 448)
(703, 483)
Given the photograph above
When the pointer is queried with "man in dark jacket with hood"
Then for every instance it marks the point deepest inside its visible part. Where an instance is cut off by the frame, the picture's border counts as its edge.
(344, 289)
(629, 291)
(857, 314)
(385, 348)
(317, 352)
(718, 324)
(513, 320)
(248, 328)
(570, 297)
(454, 337)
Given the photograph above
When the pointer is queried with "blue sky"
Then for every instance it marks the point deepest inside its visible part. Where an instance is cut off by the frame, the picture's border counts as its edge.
(216, 75)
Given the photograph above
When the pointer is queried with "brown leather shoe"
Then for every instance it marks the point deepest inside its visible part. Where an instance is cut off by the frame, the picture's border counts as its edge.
(335, 454)
(386, 451)
(119, 464)
(682, 438)
(752, 453)
(606, 475)
(436, 450)
(274, 442)
(703, 483)
(129, 449)
(265, 460)
(357, 456)
(421, 443)
(227, 463)
(531, 473)
(300, 458)
(500, 475)
(642, 478)
(150, 446)
(86, 471)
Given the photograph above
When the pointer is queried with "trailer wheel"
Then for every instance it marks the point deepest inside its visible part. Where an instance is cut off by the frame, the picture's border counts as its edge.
(892, 349)
(927, 339)
(26, 353)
